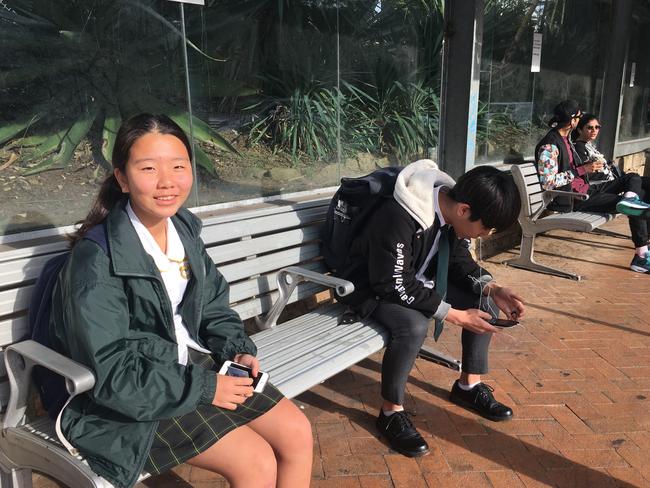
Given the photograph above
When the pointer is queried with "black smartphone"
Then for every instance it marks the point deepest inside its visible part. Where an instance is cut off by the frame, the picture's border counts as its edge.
(503, 322)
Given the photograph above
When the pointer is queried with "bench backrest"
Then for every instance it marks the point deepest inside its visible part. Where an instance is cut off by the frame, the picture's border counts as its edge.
(530, 190)
(248, 243)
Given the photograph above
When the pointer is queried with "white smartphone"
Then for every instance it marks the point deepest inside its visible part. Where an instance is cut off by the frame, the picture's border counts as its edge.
(230, 368)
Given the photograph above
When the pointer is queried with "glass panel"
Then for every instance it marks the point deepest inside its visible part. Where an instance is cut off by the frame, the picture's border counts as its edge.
(515, 103)
(390, 82)
(76, 70)
(635, 112)
(288, 113)
(263, 85)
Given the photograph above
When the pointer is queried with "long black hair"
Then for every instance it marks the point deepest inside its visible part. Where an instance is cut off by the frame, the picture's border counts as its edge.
(110, 192)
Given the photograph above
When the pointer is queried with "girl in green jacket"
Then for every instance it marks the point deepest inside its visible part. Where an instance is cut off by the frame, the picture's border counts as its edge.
(150, 317)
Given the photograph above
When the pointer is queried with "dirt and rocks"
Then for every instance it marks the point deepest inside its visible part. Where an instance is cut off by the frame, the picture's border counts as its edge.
(59, 197)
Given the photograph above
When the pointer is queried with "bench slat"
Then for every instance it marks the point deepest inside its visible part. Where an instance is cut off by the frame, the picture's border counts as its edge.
(34, 247)
(260, 305)
(15, 299)
(13, 273)
(12, 330)
(329, 312)
(261, 245)
(216, 234)
(532, 179)
(300, 374)
(239, 211)
(288, 257)
(528, 169)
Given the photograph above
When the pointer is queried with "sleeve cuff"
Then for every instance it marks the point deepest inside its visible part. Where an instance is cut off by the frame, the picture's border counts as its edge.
(209, 387)
(442, 311)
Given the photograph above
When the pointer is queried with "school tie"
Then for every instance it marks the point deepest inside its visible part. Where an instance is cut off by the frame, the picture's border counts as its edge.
(441, 273)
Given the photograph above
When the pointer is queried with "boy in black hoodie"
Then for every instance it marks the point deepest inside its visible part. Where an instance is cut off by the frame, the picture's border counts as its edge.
(403, 286)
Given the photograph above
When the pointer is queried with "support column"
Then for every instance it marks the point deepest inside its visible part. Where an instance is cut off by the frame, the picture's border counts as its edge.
(612, 96)
(461, 67)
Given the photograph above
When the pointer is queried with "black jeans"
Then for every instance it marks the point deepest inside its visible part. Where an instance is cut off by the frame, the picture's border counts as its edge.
(604, 197)
(408, 329)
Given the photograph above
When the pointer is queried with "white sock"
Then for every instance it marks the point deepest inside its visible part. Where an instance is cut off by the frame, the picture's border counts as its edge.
(641, 251)
(467, 387)
(629, 194)
(391, 412)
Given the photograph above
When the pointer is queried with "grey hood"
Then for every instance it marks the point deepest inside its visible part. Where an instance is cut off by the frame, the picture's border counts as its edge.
(414, 190)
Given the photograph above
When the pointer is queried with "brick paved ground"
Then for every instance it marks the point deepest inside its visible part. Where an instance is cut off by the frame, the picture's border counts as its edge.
(577, 372)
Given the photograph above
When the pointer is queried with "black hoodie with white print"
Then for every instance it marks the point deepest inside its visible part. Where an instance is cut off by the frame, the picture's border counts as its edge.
(396, 243)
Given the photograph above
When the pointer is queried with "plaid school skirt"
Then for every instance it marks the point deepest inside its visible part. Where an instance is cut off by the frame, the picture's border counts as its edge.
(179, 439)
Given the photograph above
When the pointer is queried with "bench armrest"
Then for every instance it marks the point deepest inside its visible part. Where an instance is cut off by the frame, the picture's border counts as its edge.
(571, 194)
(290, 277)
(549, 195)
(20, 359)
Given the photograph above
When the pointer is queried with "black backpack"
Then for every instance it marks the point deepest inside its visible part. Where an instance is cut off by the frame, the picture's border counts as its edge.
(349, 211)
(50, 385)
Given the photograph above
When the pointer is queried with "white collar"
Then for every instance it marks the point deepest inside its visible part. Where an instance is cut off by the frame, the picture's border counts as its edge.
(175, 249)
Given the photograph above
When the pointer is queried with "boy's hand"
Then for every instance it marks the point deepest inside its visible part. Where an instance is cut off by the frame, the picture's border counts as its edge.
(507, 300)
(474, 320)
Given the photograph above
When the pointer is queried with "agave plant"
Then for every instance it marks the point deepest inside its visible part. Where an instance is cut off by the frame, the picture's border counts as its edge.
(79, 68)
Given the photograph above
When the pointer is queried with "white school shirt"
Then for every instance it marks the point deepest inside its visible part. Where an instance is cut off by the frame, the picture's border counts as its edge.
(170, 266)
(420, 276)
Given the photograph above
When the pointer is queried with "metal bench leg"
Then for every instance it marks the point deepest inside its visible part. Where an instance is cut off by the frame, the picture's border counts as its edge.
(526, 261)
(437, 357)
(16, 478)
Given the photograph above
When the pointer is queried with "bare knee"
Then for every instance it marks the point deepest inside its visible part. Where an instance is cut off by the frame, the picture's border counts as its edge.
(243, 457)
(298, 441)
(261, 472)
(267, 469)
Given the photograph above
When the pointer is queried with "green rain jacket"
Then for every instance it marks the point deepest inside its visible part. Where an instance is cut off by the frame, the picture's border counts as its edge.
(112, 314)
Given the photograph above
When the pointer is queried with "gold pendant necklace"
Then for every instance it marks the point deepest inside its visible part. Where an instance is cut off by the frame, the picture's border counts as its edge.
(183, 267)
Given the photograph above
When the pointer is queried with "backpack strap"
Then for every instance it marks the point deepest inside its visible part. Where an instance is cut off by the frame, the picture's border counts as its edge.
(98, 234)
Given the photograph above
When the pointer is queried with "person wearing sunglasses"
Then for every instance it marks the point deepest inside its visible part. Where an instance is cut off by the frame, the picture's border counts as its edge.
(584, 137)
(560, 167)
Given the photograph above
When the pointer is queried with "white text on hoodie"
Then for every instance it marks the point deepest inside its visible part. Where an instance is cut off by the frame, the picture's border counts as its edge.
(397, 274)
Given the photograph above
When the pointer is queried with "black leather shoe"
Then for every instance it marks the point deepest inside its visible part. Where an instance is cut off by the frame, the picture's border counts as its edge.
(401, 434)
(481, 400)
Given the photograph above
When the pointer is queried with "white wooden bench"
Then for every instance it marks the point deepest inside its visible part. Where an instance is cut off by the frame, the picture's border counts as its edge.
(533, 221)
(258, 247)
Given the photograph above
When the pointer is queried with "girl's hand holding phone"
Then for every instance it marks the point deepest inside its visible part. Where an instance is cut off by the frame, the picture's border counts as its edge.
(248, 360)
(232, 391)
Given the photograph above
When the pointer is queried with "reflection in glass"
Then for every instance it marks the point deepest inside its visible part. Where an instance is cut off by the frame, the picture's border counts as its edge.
(272, 95)
(286, 96)
(515, 103)
(76, 71)
(635, 111)
(310, 91)
(390, 82)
